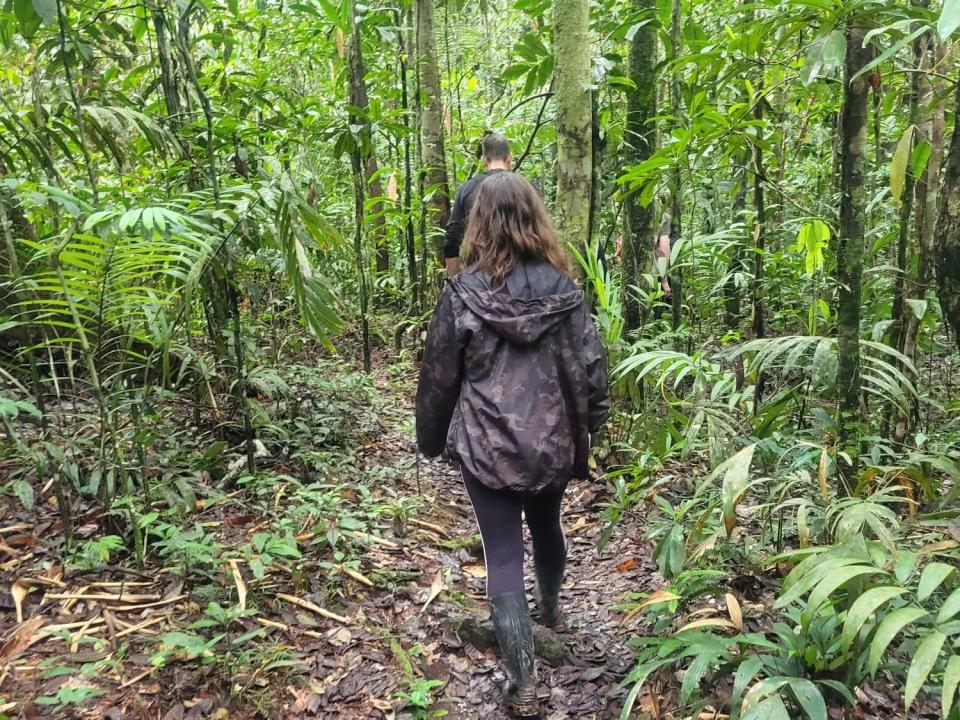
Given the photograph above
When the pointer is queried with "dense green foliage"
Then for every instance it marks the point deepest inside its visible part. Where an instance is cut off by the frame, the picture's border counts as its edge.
(196, 195)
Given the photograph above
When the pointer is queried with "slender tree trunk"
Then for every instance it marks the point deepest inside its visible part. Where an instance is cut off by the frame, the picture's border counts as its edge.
(759, 230)
(640, 142)
(737, 264)
(850, 251)
(358, 201)
(903, 329)
(168, 83)
(431, 123)
(927, 210)
(676, 209)
(360, 101)
(416, 290)
(759, 325)
(948, 231)
(911, 188)
(574, 133)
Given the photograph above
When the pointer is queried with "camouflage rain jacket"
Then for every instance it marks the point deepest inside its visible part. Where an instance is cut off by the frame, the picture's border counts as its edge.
(513, 381)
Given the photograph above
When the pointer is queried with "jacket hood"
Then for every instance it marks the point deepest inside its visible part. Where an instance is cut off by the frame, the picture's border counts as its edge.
(518, 320)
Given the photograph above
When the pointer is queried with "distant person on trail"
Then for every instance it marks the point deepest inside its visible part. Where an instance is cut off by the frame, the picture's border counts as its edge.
(661, 253)
(513, 382)
(496, 158)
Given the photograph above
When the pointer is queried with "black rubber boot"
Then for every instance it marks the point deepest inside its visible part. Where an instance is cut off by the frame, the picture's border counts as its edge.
(549, 579)
(511, 622)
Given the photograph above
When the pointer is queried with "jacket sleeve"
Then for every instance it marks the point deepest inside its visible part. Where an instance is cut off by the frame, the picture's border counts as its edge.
(595, 359)
(440, 375)
(456, 226)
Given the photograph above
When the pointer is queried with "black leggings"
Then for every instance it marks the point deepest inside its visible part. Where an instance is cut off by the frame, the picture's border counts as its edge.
(498, 515)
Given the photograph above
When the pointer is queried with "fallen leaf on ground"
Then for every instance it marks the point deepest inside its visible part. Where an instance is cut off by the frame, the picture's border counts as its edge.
(477, 571)
(436, 588)
(22, 637)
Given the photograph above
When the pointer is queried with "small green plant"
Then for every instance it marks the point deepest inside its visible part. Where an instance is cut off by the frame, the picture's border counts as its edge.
(417, 692)
(70, 696)
(96, 553)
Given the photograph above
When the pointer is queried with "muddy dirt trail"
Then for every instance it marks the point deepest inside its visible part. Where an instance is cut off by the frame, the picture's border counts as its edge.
(580, 668)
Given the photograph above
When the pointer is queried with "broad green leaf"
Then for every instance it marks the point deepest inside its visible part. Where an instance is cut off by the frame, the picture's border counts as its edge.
(950, 607)
(834, 51)
(924, 659)
(951, 679)
(931, 578)
(764, 688)
(949, 19)
(812, 240)
(693, 675)
(639, 676)
(920, 156)
(46, 9)
(898, 164)
(889, 52)
(830, 583)
(919, 307)
(809, 697)
(863, 608)
(889, 628)
(735, 481)
(27, 18)
(129, 219)
(770, 709)
(24, 492)
(24, 11)
(746, 672)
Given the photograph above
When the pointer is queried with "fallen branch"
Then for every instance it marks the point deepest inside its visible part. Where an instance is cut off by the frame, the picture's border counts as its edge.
(283, 626)
(128, 608)
(307, 605)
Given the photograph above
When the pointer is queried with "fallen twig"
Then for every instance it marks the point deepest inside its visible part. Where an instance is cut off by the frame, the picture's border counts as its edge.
(283, 626)
(158, 603)
(307, 605)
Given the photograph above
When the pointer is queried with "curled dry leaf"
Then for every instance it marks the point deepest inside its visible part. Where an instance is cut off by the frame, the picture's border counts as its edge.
(708, 622)
(736, 613)
(241, 586)
(22, 637)
(436, 588)
(659, 596)
(19, 591)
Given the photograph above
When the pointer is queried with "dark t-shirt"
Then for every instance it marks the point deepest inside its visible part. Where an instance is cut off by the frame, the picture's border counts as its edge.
(457, 225)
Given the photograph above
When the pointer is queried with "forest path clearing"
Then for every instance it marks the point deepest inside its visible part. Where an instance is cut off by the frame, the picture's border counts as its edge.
(579, 669)
(349, 591)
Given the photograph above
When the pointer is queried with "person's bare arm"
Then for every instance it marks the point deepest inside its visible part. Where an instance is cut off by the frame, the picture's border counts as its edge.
(663, 251)
(453, 266)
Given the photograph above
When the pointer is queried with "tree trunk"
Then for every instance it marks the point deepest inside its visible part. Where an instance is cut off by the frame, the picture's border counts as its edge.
(948, 231)
(433, 160)
(731, 291)
(850, 250)
(368, 156)
(416, 289)
(574, 133)
(640, 141)
(759, 229)
(929, 127)
(676, 209)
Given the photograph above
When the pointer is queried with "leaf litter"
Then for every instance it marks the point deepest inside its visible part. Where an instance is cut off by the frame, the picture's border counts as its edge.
(300, 636)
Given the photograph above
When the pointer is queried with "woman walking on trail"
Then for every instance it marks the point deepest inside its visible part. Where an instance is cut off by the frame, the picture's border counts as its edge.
(514, 380)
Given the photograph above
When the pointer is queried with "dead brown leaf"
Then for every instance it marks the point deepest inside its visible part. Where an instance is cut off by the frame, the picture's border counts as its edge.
(21, 637)
(736, 614)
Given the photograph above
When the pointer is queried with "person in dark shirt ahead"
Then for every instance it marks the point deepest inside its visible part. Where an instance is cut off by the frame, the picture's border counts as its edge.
(496, 159)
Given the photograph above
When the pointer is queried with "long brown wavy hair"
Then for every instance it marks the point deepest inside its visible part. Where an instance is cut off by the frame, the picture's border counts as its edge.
(509, 225)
